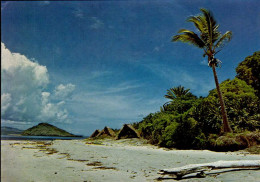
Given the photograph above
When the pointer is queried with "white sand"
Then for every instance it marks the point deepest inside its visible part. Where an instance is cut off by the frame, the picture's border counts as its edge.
(113, 161)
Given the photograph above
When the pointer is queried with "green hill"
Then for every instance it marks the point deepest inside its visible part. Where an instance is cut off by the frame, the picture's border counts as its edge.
(45, 129)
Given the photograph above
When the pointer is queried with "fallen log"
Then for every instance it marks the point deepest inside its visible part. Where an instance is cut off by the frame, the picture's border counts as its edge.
(200, 169)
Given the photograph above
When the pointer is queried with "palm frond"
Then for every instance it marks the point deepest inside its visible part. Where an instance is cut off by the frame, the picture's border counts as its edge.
(189, 37)
(170, 95)
(197, 22)
(176, 92)
(224, 38)
(212, 26)
(209, 37)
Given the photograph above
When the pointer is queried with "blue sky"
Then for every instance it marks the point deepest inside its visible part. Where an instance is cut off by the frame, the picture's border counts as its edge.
(85, 65)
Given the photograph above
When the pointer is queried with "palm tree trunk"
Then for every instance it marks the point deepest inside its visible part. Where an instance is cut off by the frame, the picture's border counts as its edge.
(226, 126)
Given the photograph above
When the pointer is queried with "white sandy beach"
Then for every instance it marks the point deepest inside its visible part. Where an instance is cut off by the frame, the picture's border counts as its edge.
(123, 160)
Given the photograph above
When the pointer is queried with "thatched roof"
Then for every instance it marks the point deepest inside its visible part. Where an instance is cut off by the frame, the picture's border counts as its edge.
(95, 133)
(106, 132)
(128, 131)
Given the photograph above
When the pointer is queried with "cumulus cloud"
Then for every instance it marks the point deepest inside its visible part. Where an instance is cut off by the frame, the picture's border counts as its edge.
(23, 95)
(63, 91)
(5, 101)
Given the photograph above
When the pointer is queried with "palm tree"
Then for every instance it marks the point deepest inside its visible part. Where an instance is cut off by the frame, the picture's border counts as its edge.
(177, 95)
(211, 41)
(176, 92)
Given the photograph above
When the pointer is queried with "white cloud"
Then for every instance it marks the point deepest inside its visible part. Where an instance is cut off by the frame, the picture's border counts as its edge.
(23, 95)
(18, 69)
(5, 102)
(16, 124)
(63, 91)
(97, 23)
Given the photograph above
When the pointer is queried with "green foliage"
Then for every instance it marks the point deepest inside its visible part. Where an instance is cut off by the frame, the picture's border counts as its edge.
(167, 138)
(187, 133)
(208, 116)
(190, 122)
(177, 92)
(152, 127)
(211, 41)
(248, 70)
(179, 106)
(241, 103)
(181, 100)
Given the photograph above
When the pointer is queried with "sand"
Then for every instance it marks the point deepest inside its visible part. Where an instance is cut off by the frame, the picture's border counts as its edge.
(94, 161)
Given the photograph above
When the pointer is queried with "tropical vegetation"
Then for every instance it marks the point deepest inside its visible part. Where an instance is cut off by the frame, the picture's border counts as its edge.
(211, 41)
(187, 121)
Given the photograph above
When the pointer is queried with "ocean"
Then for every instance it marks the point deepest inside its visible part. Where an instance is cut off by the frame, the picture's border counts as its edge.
(18, 137)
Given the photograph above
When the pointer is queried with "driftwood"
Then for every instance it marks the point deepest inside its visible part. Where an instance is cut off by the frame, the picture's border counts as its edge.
(200, 169)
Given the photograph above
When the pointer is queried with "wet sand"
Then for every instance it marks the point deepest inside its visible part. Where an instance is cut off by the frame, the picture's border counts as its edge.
(106, 160)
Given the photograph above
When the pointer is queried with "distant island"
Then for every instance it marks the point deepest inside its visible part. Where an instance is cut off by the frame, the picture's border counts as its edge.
(5, 130)
(45, 129)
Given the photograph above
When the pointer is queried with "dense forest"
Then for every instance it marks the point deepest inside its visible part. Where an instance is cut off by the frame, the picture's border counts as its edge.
(187, 121)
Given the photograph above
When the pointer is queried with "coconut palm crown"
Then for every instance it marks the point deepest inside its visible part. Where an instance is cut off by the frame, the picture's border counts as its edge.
(176, 92)
(209, 38)
(211, 41)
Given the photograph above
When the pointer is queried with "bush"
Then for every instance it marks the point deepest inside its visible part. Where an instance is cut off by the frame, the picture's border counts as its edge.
(233, 142)
(241, 104)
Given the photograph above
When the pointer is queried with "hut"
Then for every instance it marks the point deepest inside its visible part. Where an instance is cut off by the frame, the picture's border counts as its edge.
(127, 131)
(106, 132)
(95, 133)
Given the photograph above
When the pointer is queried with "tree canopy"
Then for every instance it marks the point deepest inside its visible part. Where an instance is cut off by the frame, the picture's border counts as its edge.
(249, 71)
(211, 41)
(192, 122)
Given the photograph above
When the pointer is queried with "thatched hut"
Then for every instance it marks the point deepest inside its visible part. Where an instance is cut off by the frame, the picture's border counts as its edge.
(95, 133)
(127, 131)
(106, 132)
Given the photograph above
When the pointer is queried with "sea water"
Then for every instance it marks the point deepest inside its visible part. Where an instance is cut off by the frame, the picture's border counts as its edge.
(18, 137)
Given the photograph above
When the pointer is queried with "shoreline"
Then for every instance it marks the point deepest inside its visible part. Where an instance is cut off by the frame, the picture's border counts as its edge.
(109, 160)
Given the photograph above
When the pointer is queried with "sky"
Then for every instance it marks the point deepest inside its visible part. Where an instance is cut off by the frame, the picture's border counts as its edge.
(83, 65)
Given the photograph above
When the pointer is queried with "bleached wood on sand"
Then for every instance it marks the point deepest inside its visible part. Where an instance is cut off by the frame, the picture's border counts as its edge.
(179, 172)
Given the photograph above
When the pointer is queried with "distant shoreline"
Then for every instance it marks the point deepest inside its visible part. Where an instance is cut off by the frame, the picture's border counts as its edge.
(23, 137)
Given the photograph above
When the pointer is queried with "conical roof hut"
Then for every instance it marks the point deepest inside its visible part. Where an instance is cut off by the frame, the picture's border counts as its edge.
(106, 132)
(95, 133)
(128, 131)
